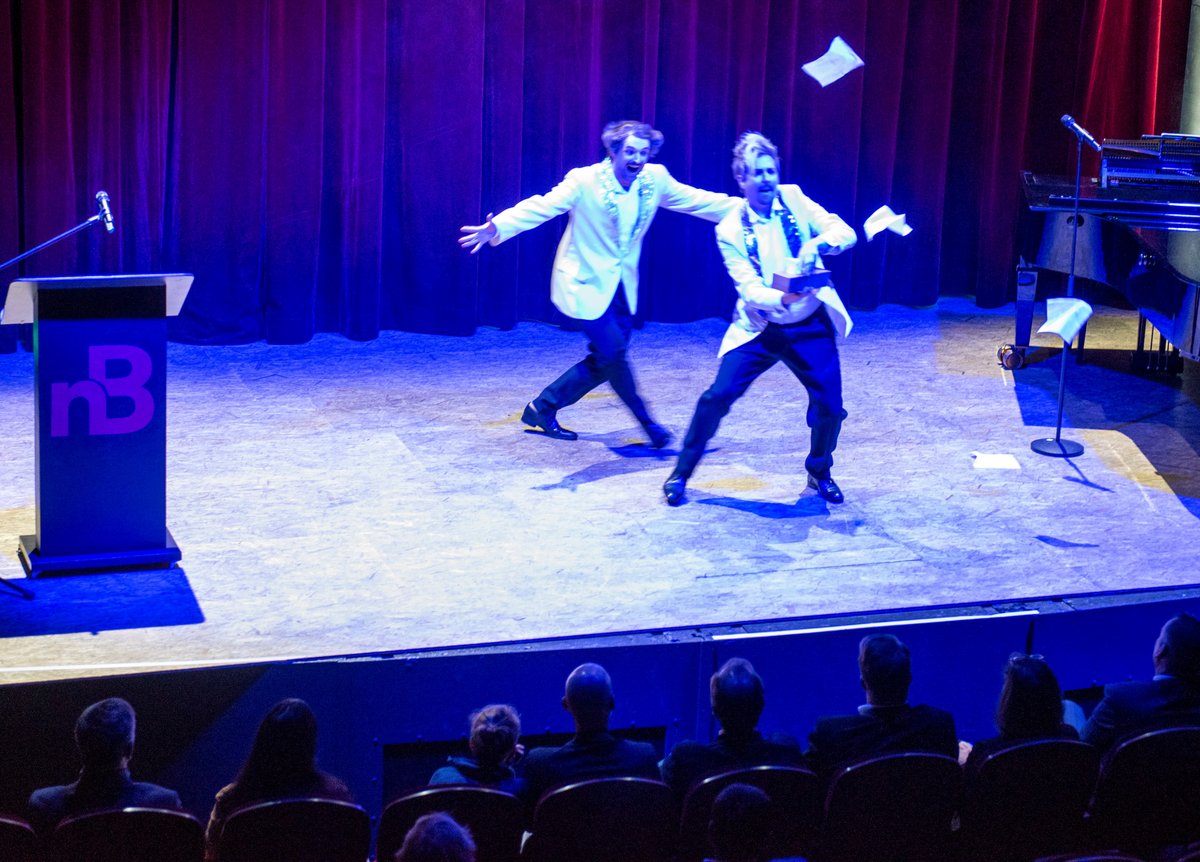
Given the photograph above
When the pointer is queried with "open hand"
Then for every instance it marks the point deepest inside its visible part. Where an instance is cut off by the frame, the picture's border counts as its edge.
(475, 236)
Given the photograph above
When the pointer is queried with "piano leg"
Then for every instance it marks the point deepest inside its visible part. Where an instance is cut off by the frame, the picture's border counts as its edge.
(1012, 356)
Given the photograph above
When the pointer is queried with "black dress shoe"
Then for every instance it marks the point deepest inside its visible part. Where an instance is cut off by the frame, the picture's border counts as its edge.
(674, 488)
(547, 423)
(660, 437)
(826, 489)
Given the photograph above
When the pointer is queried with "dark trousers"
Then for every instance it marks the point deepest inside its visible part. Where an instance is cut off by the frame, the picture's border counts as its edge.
(809, 351)
(608, 338)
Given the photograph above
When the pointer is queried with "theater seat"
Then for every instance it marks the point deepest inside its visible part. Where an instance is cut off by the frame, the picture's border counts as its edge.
(130, 835)
(495, 819)
(296, 830)
(893, 808)
(796, 797)
(17, 840)
(1028, 800)
(1148, 793)
(604, 820)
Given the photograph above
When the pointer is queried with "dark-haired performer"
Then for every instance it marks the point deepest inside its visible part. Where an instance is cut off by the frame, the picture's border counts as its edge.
(774, 223)
(610, 204)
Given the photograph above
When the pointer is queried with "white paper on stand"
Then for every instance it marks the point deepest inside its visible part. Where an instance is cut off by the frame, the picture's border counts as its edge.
(835, 63)
(1065, 316)
(884, 219)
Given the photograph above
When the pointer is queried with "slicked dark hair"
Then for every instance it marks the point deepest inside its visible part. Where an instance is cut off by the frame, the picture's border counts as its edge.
(104, 732)
(886, 667)
(1182, 636)
(736, 692)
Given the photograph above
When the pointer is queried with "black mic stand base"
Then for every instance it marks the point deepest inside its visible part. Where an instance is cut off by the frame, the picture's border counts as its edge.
(1056, 447)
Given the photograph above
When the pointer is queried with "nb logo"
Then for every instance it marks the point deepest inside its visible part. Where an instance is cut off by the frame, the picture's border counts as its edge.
(114, 371)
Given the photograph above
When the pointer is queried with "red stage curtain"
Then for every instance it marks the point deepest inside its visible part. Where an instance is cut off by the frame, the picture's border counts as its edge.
(312, 160)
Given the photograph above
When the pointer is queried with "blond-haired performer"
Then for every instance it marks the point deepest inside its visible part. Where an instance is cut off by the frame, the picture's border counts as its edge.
(595, 276)
(775, 222)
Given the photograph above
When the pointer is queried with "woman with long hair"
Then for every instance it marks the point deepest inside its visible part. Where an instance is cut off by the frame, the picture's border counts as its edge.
(281, 765)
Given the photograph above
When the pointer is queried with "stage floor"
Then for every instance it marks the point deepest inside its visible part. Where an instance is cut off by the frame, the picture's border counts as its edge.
(342, 498)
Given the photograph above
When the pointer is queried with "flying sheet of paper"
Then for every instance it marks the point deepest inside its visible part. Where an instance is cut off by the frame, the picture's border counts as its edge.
(1065, 316)
(995, 461)
(884, 219)
(835, 63)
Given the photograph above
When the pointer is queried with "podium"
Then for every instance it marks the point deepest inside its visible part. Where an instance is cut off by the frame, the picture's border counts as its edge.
(100, 351)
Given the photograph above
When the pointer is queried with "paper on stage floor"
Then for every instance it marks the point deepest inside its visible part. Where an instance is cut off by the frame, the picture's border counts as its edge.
(884, 219)
(835, 63)
(995, 461)
(1065, 316)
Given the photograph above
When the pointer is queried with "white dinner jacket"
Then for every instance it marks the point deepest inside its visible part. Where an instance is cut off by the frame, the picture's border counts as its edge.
(758, 303)
(589, 264)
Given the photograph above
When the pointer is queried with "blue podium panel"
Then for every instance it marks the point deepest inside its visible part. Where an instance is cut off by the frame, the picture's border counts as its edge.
(101, 434)
(101, 428)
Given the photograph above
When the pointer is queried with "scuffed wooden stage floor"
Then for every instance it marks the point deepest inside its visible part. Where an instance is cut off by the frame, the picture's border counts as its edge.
(342, 498)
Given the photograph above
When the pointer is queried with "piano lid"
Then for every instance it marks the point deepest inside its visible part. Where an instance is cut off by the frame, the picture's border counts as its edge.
(1136, 206)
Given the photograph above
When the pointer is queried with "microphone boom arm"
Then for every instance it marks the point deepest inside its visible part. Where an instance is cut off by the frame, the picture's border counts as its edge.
(81, 226)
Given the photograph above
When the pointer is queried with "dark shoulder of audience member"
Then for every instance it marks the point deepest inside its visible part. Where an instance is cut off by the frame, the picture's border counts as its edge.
(740, 825)
(104, 736)
(737, 695)
(1030, 708)
(593, 752)
(1171, 698)
(282, 764)
(495, 731)
(436, 838)
(886, 724)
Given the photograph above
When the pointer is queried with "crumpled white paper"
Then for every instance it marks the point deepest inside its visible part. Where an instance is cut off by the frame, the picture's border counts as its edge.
(835, 63)
(1065, 316)
(884, 219)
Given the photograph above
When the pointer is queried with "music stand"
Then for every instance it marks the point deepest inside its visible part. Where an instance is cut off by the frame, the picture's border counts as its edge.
(1064, 317)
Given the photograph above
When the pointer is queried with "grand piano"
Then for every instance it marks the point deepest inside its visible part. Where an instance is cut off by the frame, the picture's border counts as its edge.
(1139, 233)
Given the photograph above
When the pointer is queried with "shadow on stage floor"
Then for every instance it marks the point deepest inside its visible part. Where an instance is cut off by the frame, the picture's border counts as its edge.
(347, 498)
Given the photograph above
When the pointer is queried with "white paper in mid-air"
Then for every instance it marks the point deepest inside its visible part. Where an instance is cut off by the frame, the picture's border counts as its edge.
(884, 219)
(1065, 316)
(835, 63)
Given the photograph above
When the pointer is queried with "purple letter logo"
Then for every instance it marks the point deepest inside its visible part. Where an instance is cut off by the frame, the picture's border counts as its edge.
(100, 387)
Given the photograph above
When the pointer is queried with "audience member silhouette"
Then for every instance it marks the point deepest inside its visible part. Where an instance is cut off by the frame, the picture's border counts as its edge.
(886, 723)
(739, 827)
(593, 752)
(736, 694)
(104, 735)
(1172, 697)
(495, 731)
(281, 765)
(1030, 708)
(436, 838)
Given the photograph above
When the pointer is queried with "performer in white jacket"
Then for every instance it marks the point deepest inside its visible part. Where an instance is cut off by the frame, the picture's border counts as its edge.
(595, 277)
(774, 223)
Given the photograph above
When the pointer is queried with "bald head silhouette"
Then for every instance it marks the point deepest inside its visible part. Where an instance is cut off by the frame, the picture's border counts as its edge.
(589, 698)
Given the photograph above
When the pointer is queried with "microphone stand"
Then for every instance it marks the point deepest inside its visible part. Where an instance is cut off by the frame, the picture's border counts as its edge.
(52, 241)
(1055, 446)
(21, 591)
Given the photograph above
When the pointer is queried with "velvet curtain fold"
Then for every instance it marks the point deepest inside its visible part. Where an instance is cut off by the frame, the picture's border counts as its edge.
(311, 161)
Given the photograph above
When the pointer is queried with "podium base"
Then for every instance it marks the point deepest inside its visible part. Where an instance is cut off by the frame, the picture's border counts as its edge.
(37, 564)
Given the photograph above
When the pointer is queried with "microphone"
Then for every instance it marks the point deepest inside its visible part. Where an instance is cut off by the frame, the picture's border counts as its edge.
(1080, 132)
(106, 215)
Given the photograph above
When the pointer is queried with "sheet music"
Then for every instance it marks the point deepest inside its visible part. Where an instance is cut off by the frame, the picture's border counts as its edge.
(834, 64)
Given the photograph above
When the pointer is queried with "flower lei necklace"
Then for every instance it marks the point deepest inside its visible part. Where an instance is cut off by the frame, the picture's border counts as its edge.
(645, 191)
(790, 229)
